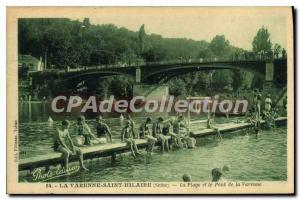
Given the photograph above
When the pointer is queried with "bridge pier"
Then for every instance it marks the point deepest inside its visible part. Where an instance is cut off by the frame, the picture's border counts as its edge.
(269, 76)
(138, 74)
(157, 92)
(268, 85)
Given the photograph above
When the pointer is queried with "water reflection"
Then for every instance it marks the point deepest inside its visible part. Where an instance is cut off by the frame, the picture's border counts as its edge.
(250, 158)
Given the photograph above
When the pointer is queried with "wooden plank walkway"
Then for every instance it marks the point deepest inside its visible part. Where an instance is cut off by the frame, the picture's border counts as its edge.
(111, 149)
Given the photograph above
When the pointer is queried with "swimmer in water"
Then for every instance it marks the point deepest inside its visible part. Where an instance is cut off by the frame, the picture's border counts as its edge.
(186, 178)
(256, 131)
(217, 173)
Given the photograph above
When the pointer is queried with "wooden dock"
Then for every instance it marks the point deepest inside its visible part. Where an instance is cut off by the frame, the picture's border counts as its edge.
(229, 127)
(111, 149)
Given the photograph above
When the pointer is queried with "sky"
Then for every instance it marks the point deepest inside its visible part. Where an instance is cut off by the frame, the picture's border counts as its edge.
(239, 25)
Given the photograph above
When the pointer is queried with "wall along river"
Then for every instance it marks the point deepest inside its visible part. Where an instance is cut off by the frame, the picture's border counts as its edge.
(250, 158)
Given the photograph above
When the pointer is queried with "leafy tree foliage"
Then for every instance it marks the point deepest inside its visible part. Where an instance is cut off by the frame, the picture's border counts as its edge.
(72, 43)
(261, 42)
(68, 43)
(277, 50)
(219, 45)
(177, 87)
(142, 35)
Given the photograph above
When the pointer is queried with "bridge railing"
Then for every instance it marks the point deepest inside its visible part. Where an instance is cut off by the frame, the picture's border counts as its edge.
(166, 62)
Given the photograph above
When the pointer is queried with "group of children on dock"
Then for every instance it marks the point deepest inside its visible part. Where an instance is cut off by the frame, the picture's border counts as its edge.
(169, 133)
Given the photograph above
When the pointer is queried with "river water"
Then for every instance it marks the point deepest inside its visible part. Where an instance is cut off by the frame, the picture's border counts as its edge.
(249, 158)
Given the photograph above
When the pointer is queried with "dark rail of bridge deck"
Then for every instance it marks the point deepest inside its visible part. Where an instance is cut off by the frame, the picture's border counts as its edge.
(111, 149)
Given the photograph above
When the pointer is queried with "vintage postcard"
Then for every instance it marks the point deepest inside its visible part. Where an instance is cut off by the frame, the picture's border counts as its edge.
(150, 100)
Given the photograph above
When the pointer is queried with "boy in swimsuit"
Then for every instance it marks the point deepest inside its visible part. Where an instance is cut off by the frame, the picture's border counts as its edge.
(268, 103)
(146, 134)
(157, 131)
(128, 138)
(184, 133)
(64, 144)
(84, 130)
(131, 125)
(168, 128)
(103, 130)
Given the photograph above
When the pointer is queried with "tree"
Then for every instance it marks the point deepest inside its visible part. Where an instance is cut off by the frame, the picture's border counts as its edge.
(277, 50)
(72, 43)
(219, 45)
(206, 53)
(86, 22)
(142, 35)
(177, 87)
(261, 42)
(222, 79)
(121, 87)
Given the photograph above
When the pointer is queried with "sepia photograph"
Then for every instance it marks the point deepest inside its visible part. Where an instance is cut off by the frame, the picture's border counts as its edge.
(150, 100)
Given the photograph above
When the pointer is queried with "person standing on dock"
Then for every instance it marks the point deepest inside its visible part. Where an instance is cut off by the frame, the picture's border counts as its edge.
(146, 134)
(257, 106)
(284, 104)
(211, 125)
(103, 130)
(268, 103)
(50, 122)
(127, 137)
(64, 144)
(121, 120)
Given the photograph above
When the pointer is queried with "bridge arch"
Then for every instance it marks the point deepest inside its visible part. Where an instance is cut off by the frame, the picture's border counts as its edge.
(165, 74)
(73, 81)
